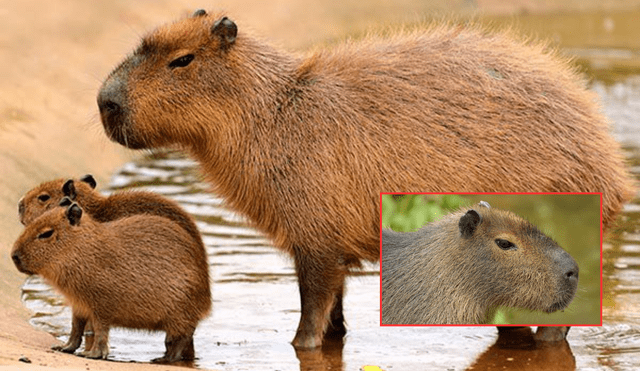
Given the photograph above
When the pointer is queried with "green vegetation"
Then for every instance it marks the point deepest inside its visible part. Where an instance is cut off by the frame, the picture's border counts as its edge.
(407, 213)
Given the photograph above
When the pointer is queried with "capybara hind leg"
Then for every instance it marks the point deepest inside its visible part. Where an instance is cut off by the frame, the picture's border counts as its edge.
(100, 347)
(320, 280)
(178, 348)
(336, 328)
(549, 333)
(75, 338)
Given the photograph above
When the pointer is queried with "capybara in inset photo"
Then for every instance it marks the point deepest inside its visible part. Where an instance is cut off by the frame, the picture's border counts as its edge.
(135, 272)
(303, 144)
(461, 268)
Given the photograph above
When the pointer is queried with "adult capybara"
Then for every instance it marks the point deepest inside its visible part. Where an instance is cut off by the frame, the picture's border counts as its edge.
(459, 269)
(303, 145)
(103, 208)
(136, 272)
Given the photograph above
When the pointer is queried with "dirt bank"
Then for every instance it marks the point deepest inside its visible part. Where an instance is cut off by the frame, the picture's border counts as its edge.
(53, 59)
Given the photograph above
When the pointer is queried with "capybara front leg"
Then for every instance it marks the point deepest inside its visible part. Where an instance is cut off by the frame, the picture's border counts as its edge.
(321, 281)
(75, 338)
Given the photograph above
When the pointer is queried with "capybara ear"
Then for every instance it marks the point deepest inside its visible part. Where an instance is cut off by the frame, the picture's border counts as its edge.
(226, 30)
(66, 201)
(90, 180)
(199, 13)
(69, 189)
(74, 213)
(485, 204)
(468, 223)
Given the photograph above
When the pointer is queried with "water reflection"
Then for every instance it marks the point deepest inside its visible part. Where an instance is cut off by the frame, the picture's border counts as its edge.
(518, 348)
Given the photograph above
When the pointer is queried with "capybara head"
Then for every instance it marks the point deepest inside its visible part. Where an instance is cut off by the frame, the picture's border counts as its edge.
(179, 70)
(46, 239)
(517, 264)
(47, 195)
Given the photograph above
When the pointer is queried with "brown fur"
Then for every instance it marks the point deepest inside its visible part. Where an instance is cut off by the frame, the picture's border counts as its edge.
(137, 272)
(452, 273)
(303, 146)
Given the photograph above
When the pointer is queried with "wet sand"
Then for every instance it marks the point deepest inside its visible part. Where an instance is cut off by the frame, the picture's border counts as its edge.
(53, 59)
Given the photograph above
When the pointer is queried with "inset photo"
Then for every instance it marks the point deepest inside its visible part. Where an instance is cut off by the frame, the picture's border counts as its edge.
(491, 259)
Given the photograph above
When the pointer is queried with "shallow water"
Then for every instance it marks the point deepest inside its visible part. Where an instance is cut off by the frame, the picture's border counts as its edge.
(256, 303)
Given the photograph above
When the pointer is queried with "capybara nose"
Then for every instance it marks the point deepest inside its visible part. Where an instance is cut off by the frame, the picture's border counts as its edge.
(568, 267)
(573, 273)
(108, 106)
(111, 98)
(16, 260)
(108, 103)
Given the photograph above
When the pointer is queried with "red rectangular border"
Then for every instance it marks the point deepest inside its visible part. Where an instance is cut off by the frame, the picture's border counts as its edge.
(486, 193)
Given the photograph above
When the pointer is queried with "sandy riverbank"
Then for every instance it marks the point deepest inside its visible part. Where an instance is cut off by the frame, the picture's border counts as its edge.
(53, 59)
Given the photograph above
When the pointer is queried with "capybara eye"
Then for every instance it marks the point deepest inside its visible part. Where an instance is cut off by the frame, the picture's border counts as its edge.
(44, 197)
(182, 61)
(46, 234)
(505, 245)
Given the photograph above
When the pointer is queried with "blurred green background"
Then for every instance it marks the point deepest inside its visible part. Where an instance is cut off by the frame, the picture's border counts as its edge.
(572, 220)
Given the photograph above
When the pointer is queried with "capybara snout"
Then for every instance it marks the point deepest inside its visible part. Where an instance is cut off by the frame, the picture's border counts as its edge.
(17, 260)
(567, 277)
(112, 107)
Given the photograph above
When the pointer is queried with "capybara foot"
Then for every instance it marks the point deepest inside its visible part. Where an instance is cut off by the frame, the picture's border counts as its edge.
(66, 348)
(306, 340)
(167, 359)
(548, 333)
(94, 354)
(75, 338)
(178, 348)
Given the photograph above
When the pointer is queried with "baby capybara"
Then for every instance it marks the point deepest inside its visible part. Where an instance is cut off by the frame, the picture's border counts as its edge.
(302, 145)
(136, 272)
(104, 209)
(459, 269)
